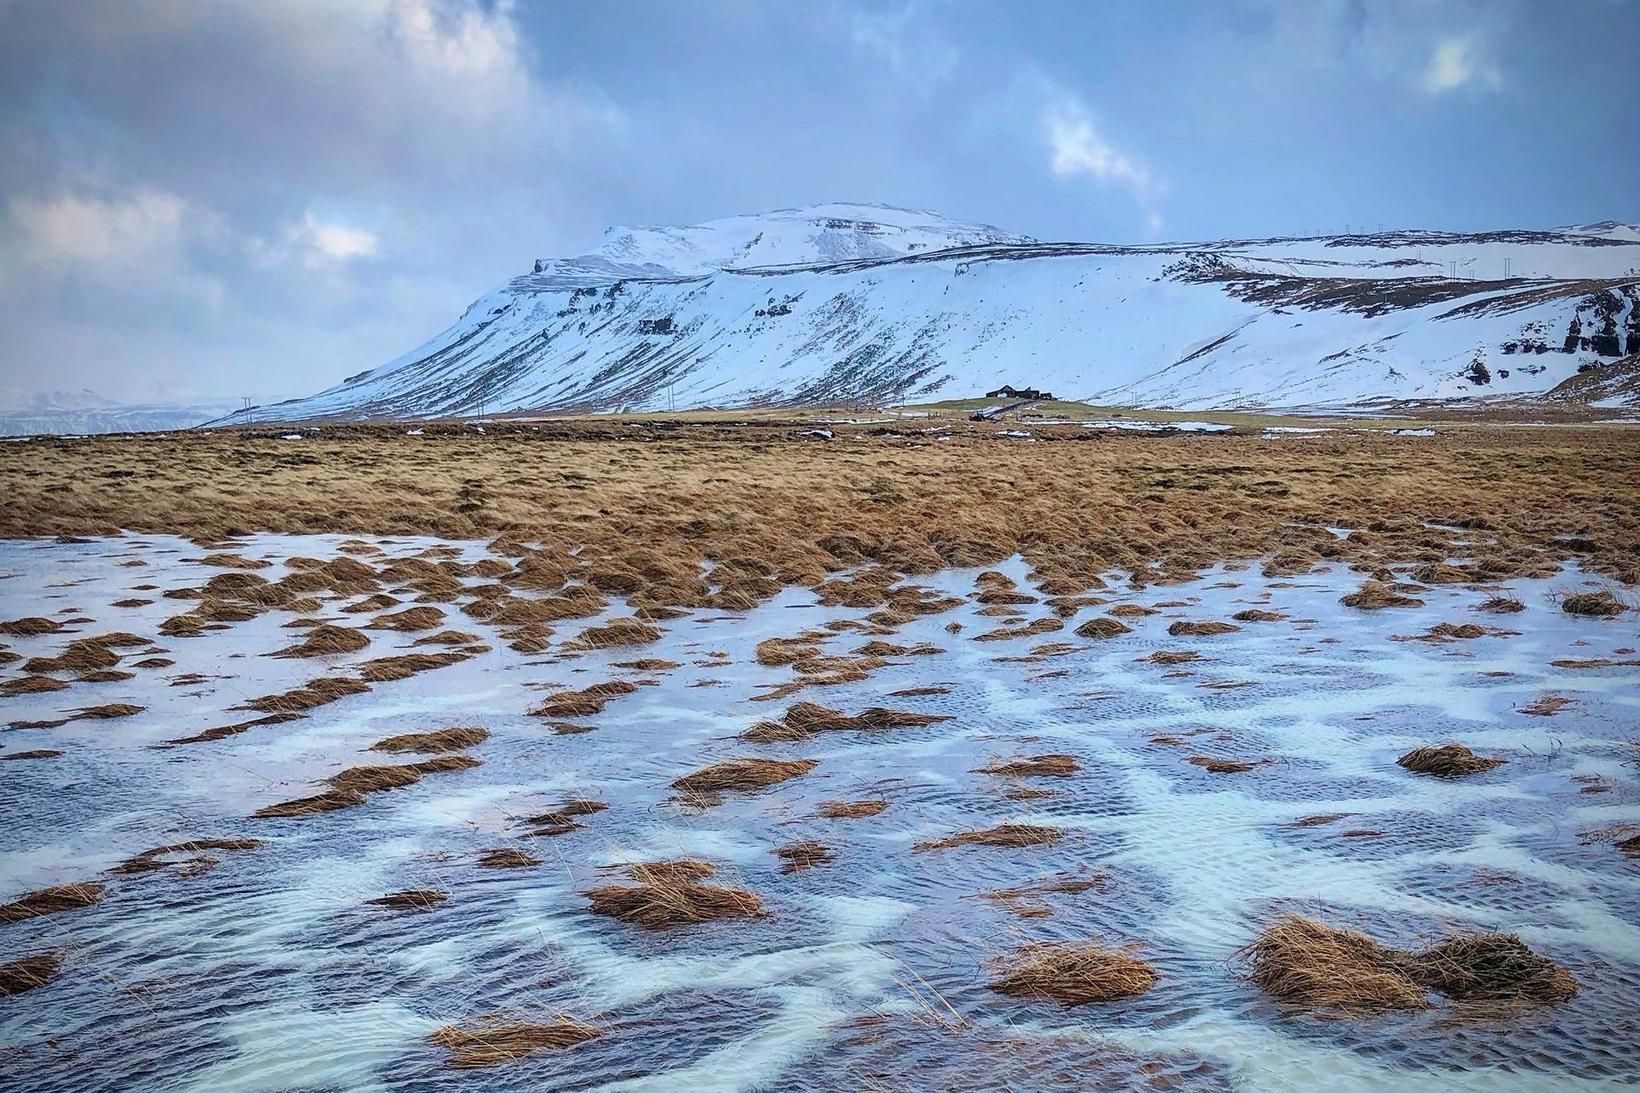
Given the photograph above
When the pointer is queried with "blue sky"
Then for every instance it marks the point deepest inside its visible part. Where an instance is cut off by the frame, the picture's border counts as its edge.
(216, 199)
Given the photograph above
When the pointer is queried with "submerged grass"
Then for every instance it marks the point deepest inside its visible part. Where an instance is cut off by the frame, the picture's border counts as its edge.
(500, 1041)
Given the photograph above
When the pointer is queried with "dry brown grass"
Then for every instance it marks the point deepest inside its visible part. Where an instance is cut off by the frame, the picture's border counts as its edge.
(28, 973)
(665, 894)
(32, 685)
(405, 665)
(33, 626)
(850, 810)
(743, 775)
(194, 852)
(1219, 765)
(499, 1041)
(1005, 835)
(803, 854)
(106, 712)
(582, 703)
(1377, 595)
(1055, 766)
(804, 719)
(1547, 705)
(326, 640)
(413, 899)
(1102, 626)
(506, 858)
(333, 801)
(318, 692)
(411, 618)
(50, 901)
(1450, 760)
(1255, 614)
(973, 500)
(1601, 604)
(1309, 964)
(1201, 629)
(452, 739)
(615, 633)
(33, 753)
(1073, 973)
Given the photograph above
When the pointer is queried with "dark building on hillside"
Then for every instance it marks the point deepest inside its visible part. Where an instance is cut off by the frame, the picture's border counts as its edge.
(1006, 391)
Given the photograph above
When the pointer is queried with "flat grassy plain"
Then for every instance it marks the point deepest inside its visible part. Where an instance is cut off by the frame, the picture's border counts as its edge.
(644, 506)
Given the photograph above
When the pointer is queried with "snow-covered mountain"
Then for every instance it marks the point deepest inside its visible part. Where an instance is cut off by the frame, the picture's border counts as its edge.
(84, 411)
(865, 302)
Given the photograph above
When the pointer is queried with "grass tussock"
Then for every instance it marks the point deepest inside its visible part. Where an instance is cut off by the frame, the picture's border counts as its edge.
(1600, 605)
(1167, 657)
(326, 640)
(648, 664)
(333, 801)
(30, 627)
(51, 901)
(106, 712)
(317, 692)
(743, 775)
(32, 685)
(506, 858)
(1103, 626)
(1073, 973)
(413, 899)
(457, 738)
(1547, 705)
(1004, 835)
(30, 972)
(667, 894)
(194, 854)
(616, 633)
(1219, 765)
(850, 810)
(33, 753)
(1501, 605)
(1208, 628)
(1377, 595)
(405, 665)
(1450, 760)
(582, 703)
(1309, 964)
(1255, 614)
(1032, 766)
(804, 719)
(495, 1042)
(424, 617)
(561, 820)
(803, 854)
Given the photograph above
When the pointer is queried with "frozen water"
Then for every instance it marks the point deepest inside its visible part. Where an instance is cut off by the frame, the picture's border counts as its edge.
(270, 971)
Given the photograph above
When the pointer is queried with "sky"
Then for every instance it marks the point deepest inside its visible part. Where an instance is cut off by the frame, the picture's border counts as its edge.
(226, 198)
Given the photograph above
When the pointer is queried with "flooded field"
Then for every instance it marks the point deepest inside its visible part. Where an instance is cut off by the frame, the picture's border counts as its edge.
(273, 894)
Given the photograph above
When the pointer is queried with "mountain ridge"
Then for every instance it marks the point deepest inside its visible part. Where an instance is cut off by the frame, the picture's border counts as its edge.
(855, 302)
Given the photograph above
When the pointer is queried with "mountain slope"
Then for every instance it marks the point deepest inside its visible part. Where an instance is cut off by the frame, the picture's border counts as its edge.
(85, 412)
(856, 303)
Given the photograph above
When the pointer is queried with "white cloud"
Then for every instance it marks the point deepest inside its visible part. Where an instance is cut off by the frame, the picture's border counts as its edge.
(1076, 147)
(68, 228)
(908, 41)
(1457, 61)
